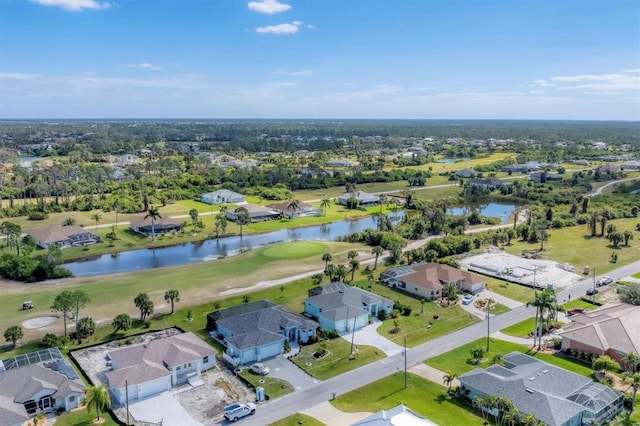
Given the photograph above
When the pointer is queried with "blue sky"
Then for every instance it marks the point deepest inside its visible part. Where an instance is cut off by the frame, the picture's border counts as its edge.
(414, 59)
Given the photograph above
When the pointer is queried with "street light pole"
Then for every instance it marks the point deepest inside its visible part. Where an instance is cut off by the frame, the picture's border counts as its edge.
(405, 361)
(488, 329)
(593, 296)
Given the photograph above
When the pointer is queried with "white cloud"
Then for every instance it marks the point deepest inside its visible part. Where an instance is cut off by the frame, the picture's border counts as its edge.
(599, 82)
(75, 5)
(280, 29)
(311, 27)
(17, 76)
(145, 65)
(295, 73)
(269, 7)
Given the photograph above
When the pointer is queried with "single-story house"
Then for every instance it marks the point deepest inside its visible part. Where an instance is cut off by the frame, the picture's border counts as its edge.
(555, 396)
(340, 163)
(257, 330)
(466, 173)
(37, 382)
(364, 199)
(608, 168)
(256, 213)
(222, 196)
(304, 209)
(612, 329)
(145, 226)
(150, 368)
(542, 177)
(64, 236)
(521, 168)
(429, 280)
(399, 415)
(341, 307)
(630, 165)
(490, 183)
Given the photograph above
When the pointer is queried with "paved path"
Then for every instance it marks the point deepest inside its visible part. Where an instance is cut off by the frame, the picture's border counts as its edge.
(369, 336)
(330, 415)
(430, 373)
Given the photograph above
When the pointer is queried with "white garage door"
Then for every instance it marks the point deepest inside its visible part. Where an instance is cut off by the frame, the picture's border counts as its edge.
(268, 351)
(154, 387)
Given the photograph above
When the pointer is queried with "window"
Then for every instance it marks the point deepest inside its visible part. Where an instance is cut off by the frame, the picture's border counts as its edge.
(72, 398)
(205, 359)
(178, 368)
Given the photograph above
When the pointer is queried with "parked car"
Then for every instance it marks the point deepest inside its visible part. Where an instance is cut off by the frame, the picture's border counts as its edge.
(604, 281)
(592, 291)
(259, 368)
(575, 311)
(238, 410)
(467, 299)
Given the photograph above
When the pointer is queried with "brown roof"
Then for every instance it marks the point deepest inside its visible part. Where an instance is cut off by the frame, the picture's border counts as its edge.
(431, 276)
(57, 233)
(141, 221)
(284, 206)
(613, 326)
(141, 363)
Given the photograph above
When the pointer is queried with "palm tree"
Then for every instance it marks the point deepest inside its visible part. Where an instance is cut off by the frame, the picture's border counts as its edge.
(242, 217)
(122, 322)
(545, 302)
(327, 258)
(324, 204)
(341, 272)
(377, 251)
(355, 265)
(172, 296)
(633, 380)
(154, 214)
(631, 362)
(221, 224)
(383, 200)
(193, 213)
(352, 254)
(97, 218)
(98, 397)
(293, 205)
(448, 378)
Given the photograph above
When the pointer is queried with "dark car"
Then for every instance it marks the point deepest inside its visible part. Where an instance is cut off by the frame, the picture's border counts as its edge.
(592, 291)
(575, 311)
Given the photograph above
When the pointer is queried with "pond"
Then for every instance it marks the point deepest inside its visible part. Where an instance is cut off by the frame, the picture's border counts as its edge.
(202, 251)
(26, 161)
(452, 160)
(499, 210)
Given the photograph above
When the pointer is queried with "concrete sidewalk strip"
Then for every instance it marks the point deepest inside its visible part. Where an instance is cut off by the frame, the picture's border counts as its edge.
(509, 303)
(330, 415)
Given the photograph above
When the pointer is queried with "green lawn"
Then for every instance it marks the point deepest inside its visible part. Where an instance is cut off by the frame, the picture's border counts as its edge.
(273, 388)
(574, 245)
(296, 420)
(338, 361)
(459, 360)
(579, 303)
(513, 291)
(82, 417)
(523, 328)
(421, 395)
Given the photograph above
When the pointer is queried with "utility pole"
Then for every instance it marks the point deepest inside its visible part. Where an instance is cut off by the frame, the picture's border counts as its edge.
(353, 333)
(488, 316)
(126, 397)
(405, 361)
(593, 296)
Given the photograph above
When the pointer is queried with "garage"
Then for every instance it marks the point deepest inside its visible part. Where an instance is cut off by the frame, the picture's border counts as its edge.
(154, 386)
(269, 351)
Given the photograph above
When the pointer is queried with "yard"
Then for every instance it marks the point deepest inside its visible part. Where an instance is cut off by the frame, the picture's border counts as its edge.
(421, 395)
(83, 417)
(523, 328)
(513, 291)
(273, 388)
(297, 420)
(460, 361)
(338, 359)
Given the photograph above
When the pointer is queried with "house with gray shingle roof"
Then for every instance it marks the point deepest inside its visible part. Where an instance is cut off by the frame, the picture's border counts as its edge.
(150, 368)
(222, 196)
(341, 307)
(38, 382)
(364, 198)
(64, 236)
(396, 416)
(258, 330)
(555, 396)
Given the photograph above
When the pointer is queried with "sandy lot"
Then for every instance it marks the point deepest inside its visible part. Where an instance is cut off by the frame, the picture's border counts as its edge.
(39, 322)
(204, 403)
(497, 263)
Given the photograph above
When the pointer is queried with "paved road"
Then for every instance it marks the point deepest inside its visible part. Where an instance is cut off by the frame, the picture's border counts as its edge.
(323, 391)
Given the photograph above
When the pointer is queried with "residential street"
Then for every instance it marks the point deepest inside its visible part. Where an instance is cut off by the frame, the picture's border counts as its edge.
(323, 391)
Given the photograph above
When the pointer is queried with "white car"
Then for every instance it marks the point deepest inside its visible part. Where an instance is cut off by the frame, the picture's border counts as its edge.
(467, 299)
(259, 368)
(605, 280)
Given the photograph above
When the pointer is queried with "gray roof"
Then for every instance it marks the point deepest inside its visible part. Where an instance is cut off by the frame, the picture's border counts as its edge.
(361, 196)
(259, 323)
(552, 394)
(223, 193)
(18, 385)
(339, 301)
(147, 361)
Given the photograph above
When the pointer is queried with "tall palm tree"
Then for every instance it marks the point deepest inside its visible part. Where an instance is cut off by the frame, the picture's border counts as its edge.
(633, 380)
(377, 251)
(327, 258)
(324, 204)
(154, 214)
(383, 200)
(98, 397)
(352, 254)
(544, 302)
(293, 205)
(355, 265)
(97, 218)
(448, 378)
(242, 217)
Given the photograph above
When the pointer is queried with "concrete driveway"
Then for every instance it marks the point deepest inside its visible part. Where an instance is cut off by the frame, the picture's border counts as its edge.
(164, 407)
(369, 336)
(282, 368)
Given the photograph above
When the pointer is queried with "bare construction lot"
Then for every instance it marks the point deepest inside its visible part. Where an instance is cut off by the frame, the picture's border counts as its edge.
(531, 272)
(204, 403)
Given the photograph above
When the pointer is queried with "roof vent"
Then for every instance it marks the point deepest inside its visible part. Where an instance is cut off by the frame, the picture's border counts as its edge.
(529, 390)
(545, 371)
(532, 378)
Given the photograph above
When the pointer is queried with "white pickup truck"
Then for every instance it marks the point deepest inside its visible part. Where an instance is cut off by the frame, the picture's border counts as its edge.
(240, 409)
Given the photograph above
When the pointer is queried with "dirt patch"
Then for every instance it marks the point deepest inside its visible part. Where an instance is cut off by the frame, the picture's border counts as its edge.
(38, 322)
